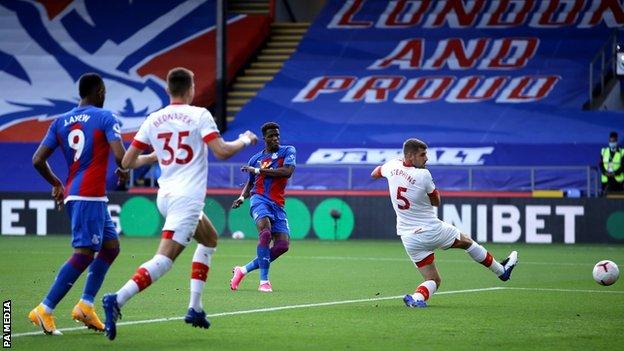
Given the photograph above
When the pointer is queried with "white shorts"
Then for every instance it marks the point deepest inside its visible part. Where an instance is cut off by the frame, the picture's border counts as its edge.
(181, 214)
(419, 246)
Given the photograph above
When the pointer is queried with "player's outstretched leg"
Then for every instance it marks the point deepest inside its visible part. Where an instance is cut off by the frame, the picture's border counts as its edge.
(481, 255)
(199, 273)
(68, 274)
(508, 264)
(84, 311)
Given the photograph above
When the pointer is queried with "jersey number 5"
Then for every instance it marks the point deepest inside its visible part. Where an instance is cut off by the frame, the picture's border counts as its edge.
(181, 146)
(399, 196)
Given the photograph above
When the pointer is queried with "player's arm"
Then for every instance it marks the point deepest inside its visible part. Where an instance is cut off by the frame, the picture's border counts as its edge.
(244, 194)
(40, 162)
(434, 198)
(281, 172)
(225, 149)
(376, 173)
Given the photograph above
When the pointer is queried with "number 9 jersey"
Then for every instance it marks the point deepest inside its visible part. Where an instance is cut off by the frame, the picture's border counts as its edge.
(409, 188)
(179, 134)
(84, 134)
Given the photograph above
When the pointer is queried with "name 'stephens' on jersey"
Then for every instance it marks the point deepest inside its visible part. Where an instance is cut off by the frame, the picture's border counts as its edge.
(402, 173)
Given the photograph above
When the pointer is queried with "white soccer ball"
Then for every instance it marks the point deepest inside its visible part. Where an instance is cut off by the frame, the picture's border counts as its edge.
(606, 272)
(238, 235)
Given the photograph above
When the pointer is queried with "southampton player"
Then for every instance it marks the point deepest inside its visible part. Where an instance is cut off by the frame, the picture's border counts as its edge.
(413, 196)
(85, 135)
(269, 171)
(180, 135)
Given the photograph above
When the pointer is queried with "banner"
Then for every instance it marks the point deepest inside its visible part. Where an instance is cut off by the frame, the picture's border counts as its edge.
(350, 215)
(47, 45)
(494, 75)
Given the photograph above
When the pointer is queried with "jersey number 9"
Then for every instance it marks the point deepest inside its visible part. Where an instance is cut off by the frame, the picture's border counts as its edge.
(76, 141)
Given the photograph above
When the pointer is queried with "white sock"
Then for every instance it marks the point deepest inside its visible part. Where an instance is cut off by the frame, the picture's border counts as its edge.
(90, 304)
(263, 282)
(47, 309)
(425, 290)
(199, 274)
(145, 275)
(243, 270)
(480, 254)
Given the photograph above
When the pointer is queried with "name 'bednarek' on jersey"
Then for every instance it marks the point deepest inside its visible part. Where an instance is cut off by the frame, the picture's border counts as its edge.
(409, 188)
(179, 133)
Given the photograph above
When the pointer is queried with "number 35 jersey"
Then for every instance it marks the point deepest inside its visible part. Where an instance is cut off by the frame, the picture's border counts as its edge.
(409, 187)
(83, 135)
(179, 134)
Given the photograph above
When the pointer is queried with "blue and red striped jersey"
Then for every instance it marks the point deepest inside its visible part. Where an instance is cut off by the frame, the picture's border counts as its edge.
(271, 188)
(83, 135)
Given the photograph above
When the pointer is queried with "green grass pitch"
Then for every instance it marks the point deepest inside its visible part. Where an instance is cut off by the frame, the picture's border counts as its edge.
(550, 303)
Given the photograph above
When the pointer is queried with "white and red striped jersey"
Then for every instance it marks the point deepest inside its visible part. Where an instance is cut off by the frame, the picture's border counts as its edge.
(179, 133)
(409, 188)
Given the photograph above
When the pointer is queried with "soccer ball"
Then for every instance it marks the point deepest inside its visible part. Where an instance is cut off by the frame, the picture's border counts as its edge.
(238, 235)
(606, 272)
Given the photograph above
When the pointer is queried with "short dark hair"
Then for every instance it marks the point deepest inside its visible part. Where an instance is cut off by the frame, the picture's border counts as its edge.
(89, 83)
(269, 125)
(613, 135)
(179, 81)
(413, 145)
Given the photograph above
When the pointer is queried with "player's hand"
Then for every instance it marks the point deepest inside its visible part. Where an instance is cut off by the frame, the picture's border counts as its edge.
(250, 169)
(58, 194)
(253, 137)
(238, 202)
(123, 175)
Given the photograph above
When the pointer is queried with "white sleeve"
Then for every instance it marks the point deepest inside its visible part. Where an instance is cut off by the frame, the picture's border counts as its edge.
(428, 180)
(142, 136)
(385, 170)
(207, 127)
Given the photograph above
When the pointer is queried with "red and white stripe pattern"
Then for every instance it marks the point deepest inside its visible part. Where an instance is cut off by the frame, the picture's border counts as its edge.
(199, 273)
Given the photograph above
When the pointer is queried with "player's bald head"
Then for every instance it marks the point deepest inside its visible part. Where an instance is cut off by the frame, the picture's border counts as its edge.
(413, 145)
(179, 81)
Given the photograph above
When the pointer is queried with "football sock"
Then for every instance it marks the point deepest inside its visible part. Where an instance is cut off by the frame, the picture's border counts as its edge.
(480, 254)
(145, 275)
(264, 254)
(425, 290)
(97, 272)
(199, 274)
(279, 248)
(66, 277)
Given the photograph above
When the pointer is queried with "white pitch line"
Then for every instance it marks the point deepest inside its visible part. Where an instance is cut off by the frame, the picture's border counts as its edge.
(269, 309)
(566, 290)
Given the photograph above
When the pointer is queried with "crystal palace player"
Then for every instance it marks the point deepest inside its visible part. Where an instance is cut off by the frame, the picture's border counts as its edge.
(180, 135)
(413, 196)
(85, 135)
(269, 171)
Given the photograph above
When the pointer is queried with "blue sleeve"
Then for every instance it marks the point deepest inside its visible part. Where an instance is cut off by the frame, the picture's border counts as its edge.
(112, 127)
(50, 140)
(252, 177)
(290, 156)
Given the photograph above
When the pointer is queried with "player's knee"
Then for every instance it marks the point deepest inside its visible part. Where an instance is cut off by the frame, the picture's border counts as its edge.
(281, 247)
(264, 237)
(108, 254)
